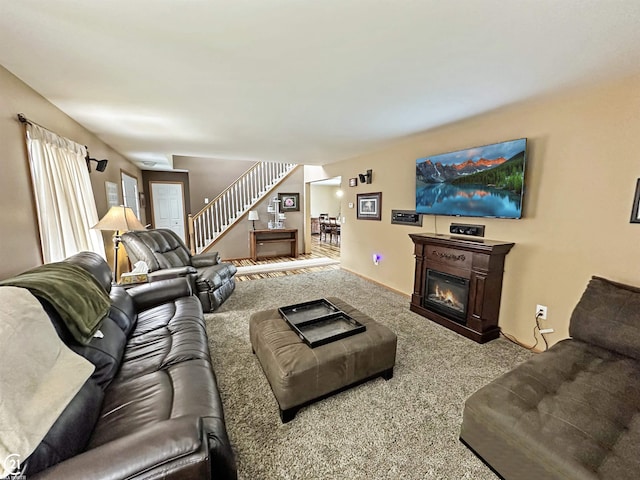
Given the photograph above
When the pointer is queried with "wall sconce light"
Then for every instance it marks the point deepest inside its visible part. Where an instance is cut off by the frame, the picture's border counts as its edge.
(366, 177)
(101, 165)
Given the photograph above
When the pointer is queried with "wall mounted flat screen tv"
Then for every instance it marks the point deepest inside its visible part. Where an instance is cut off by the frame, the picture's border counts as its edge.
(483, 181)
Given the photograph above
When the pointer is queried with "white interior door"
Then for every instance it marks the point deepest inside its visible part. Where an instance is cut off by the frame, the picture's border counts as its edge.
(168, 207)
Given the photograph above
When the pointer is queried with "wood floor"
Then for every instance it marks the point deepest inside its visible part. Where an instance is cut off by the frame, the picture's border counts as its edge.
(318, 249)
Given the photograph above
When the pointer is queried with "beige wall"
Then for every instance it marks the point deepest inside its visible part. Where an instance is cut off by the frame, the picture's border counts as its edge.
(324, 199)
(582, 168)
(235, 242)
(208, 177)
(19, 242)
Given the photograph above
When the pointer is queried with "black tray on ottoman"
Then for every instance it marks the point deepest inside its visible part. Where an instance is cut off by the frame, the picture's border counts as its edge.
(319, 322)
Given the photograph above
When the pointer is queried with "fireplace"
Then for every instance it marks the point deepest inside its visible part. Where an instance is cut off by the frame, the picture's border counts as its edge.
(458, 283)
(447, 294)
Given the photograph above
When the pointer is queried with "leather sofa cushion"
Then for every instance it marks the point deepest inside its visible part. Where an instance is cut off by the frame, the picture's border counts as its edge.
(165, 335)
(162, 315)
(70, 433)
(608, 315)
(188, 388)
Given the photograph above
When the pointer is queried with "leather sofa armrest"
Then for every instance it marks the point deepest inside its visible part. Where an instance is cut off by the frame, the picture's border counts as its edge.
(162, 447)
(205, 259)
(174, 272)
(149, 295)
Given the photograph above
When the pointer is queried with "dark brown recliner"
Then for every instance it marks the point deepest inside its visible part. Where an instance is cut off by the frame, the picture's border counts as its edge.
(167, 256)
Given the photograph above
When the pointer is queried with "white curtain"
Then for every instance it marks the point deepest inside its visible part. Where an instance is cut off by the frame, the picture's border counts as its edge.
(63, 194)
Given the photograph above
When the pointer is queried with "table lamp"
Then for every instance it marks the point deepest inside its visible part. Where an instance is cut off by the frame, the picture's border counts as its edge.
(253, 216)
(120, 219)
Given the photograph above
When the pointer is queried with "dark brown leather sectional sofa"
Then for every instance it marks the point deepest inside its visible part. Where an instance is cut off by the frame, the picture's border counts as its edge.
(151, 409)
(572, 412)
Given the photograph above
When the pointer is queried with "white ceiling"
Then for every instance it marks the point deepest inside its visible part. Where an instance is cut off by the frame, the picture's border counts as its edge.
(306, 81)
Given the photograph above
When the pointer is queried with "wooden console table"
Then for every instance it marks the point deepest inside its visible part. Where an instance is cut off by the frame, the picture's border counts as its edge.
(276, 235)
(480, 262)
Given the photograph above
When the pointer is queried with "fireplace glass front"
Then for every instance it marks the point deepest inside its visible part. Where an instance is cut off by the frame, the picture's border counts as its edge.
(447, 295)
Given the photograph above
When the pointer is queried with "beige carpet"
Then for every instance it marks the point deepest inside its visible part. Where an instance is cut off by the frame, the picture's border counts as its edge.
(405, 428)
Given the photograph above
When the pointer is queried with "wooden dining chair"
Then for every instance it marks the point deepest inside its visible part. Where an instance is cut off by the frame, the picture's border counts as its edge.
(324, 229)
(334, 230)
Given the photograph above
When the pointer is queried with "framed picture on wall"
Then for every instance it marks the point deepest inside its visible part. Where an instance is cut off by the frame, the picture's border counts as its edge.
(111, 189)
(635, 210)
(369, 206)
(289, 202)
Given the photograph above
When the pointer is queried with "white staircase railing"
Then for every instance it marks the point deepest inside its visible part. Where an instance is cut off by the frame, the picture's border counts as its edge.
(237, 199)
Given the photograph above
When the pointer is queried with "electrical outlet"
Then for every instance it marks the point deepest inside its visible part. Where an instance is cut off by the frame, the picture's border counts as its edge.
(541, 312)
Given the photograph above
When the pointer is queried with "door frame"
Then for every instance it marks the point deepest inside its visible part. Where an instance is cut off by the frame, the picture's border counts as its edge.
(124, 173)
(184, 207)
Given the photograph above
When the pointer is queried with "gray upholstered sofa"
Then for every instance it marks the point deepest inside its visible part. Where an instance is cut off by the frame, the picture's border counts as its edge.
(167, 256)
(572, 412)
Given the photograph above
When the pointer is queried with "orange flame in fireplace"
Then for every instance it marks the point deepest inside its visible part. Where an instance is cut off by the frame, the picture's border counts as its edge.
(446, 295)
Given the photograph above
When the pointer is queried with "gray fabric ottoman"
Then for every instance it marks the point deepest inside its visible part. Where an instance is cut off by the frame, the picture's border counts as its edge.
(299, 374)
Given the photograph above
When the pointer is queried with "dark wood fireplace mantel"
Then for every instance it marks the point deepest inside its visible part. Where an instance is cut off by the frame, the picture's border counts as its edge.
(478, 260)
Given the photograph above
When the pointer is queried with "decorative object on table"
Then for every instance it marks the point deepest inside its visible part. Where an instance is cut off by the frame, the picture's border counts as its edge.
(253, 216)
(139, 274)
(353, 182)
(369, 206)
(119, 219)
(289, 202)
(635, 211)
(278, 218)
(366, 177)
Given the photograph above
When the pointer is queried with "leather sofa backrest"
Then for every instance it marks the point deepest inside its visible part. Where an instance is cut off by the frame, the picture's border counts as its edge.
(104, 352)
(159, 249)
(95, 265)
(608, 316)
(70, 434)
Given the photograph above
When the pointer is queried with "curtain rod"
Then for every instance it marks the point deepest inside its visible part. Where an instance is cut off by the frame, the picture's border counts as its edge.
(24, 119)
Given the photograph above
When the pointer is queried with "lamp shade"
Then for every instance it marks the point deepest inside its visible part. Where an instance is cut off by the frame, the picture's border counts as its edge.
(253, 215)
(120, 219)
